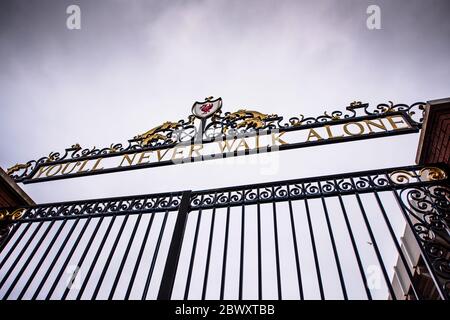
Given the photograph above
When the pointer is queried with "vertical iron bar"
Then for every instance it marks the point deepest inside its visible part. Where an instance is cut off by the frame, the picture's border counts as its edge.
(108, 260)
(55, 259)
(225, 249)
(138, 260)
(241, 260)
(25, 247)
(27, 262)
(155, 256)
(41, 261)
(124, 258)
(258, 212)
(11, 250)
(208, 258)
(66, 262)
(333, 243)
(94, 262)
(194, 249)
(173, 256)
(277, 253)
(354, 246)
(374, 242)
(294, 238)
(397, 245)
(313, 244)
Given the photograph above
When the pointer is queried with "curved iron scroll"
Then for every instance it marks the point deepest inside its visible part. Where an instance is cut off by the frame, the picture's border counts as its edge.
(7, 219)
(429, 211)
(246, 121)
(103, 207)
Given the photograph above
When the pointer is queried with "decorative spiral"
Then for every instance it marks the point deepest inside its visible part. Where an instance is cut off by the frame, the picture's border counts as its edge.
(328, 187)
(280, 192)
(265, 193)
(344, 185)
(362, 183)
(311, 189)
(378, 181)
(401, 176)
(295, 190)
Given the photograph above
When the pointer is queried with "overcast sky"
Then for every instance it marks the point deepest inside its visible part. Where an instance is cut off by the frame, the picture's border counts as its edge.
(135, 64)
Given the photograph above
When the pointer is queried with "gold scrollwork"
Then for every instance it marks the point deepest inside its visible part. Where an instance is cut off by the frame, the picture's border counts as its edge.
(53, 156)
(425, 174)
(17, 167)
(249, 119)
(297, 122)
(433, 173)
(155, 133)
(113, 148)
(332, 116)
(401, 176)
(76, 146)
(12, 216)
(390, 108)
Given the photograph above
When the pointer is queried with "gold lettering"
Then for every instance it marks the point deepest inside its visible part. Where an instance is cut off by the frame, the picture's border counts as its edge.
(394, 123)
(360, 127)
(59, 166)
(127, 158)
(242, 143)
(42, 170)
(277, 139)
(96, 165)
(380, 125)
(330, 134)
(158, 154)
(83, 165)
(67, 165)
(176, 152)
(193, 149)
(226, 145)
(313, 134)
(144, 156)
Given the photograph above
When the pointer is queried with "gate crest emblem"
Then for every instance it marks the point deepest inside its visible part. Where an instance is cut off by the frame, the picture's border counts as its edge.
(206, 108)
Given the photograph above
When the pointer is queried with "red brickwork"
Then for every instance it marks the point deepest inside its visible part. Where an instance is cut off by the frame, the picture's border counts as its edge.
(11, 195)
(434, 144)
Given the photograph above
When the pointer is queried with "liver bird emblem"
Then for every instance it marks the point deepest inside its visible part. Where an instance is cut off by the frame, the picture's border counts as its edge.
(206, 107)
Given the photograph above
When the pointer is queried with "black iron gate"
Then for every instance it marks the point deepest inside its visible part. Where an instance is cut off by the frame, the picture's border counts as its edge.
(368, 235)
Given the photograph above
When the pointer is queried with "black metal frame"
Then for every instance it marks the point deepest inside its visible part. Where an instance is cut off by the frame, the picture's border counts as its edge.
(422, 193)
(186, 133)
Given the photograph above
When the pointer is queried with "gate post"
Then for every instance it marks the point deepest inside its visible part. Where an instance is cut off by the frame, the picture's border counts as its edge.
(11, 196)
(170, 269)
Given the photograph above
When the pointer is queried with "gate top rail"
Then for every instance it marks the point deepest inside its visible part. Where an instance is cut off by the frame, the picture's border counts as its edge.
(322, 186)
(314, 187)
(95, 207)
(196, 131)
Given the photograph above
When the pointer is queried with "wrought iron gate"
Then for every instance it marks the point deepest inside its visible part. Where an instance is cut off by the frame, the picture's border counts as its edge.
(329, 237)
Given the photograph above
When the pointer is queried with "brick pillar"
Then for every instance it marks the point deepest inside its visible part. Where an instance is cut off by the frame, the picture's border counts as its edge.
(434, 143)
(11, 195)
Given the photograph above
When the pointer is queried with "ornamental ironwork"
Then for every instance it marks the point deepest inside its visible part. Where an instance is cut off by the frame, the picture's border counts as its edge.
(422, 194)
(209, 124)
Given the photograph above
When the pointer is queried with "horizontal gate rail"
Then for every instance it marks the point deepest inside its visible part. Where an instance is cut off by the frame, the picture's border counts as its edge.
(160, 202)
(331, 185)
(317, 187)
